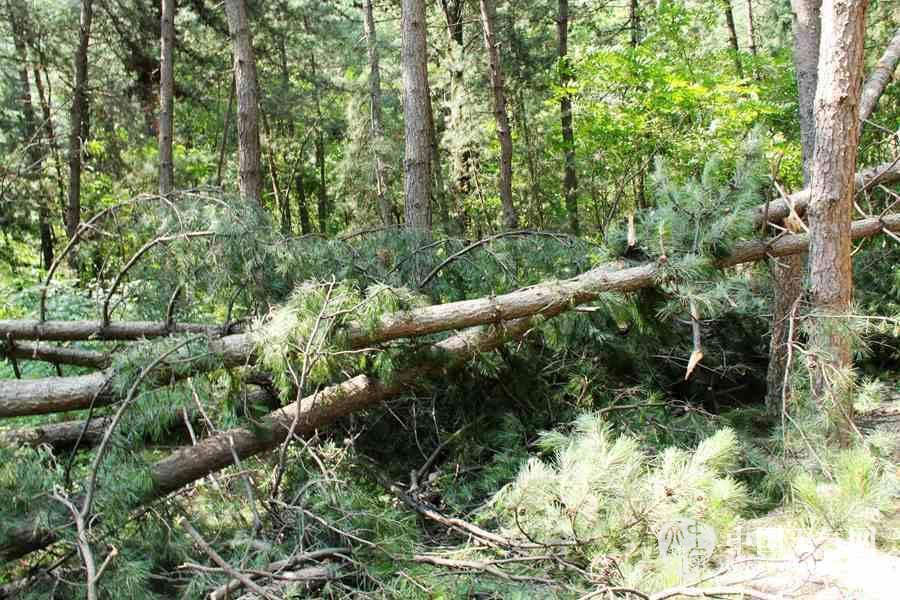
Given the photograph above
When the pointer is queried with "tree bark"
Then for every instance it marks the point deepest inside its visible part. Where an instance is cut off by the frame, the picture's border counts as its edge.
(728, 9)
(247, 86)
(166, 97)
(879, 78)
(302, 206)
(732, 37)
(77, 117)
(384, 202)
(634, 22)
(570, 179)
(417, 161)
(488, 19)
(834, 160)
(463, 151)
(751, 28)
(58, 394)
(788, 273)
(807, 31)
(20, 31)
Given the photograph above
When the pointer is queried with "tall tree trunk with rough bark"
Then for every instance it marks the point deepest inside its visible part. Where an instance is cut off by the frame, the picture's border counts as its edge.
(501, 117)
(836, 115)
(166, 97)
(247, 93)
(732, 36)
(788, 272)
(570, 178)
(417, 161)
(77, 118)
(384, 202)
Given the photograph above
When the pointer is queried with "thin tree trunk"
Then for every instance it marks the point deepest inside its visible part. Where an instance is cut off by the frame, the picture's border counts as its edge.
(247, 93)
(17, 16)
(43, 97)
(378, 143)
(751, 28)
(77, 118)
(570, 178)
(417, 163)
(225, 128)
(788, 273)
(634, 22)
(536, 199)
(463, 152)
(834, 160)
(166, 97)
(302, 206)
(732, 36)
(488, 18)
(321, 189)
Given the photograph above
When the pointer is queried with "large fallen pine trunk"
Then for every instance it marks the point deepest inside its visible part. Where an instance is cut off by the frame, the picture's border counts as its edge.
(59, 394)
(299, 419)
(24, 329)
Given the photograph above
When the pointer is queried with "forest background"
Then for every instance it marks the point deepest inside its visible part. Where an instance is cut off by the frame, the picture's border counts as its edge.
(522, 281)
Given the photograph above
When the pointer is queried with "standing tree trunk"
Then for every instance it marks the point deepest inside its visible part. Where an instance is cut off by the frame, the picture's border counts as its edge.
(166, 97)
(302, 207)
(732, 36)
(384, 203)
(830, 208)
(463, 151)
(417, 162)
(77, 117)
(751, 28)
(488, 18)
(570, 178)
(17, 17)
(634, 22)
(321, 189)
(247, 86)
(788, 272)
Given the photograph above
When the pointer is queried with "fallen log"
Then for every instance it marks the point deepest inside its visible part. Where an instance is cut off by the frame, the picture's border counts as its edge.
(300, 418)
(776, 210)
(773, 212)
(71, 331)
(58, 355)
(58, 394)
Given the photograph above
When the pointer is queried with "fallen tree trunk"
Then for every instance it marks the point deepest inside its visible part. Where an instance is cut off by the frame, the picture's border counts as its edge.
(58, 394)
(390, 328)
(72, 331)
(55, 354)
(301, 418)
(776, 210)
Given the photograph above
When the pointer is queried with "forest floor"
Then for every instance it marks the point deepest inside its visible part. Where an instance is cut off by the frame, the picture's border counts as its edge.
(828, 568)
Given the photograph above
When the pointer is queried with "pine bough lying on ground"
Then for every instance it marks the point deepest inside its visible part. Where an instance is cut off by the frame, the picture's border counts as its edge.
(605, 500)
